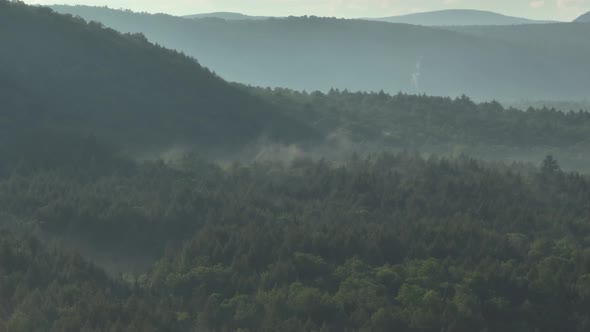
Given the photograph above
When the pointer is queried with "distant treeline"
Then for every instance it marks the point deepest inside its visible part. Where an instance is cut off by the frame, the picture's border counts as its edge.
(451, 126)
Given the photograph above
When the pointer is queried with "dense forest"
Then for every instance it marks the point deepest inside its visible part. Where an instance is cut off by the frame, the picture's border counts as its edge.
(387, 242)
(371, 56)
(356, 121)
(347, 220)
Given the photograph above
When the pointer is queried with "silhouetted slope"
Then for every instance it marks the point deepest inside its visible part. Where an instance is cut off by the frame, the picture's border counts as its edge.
(456, 17)
(584, 18)
(122, 87)
(320, 53)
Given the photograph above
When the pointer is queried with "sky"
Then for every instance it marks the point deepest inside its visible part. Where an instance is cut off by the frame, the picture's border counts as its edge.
(561, 10)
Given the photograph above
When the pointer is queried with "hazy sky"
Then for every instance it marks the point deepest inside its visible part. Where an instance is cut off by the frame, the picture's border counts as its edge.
(538, 9)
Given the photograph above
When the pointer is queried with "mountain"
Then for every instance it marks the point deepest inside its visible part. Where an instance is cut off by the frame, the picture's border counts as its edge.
(584, 18)
(60, 72)
(373, 56)
(457, 17)
(90, 81)
(547, 38)
(227, 16)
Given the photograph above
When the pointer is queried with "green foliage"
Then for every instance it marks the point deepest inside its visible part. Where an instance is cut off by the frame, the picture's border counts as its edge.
(376, 243)
(45, 289)
(388, 242)
(416, 122)
(358, 121)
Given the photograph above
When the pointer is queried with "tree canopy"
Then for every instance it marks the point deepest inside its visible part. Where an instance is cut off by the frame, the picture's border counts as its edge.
(96, 235)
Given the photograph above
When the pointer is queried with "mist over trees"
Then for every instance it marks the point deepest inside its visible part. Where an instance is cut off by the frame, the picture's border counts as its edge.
(139, 191)
(387, 242)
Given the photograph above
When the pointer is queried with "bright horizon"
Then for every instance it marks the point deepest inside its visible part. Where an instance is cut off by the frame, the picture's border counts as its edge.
(559, 10)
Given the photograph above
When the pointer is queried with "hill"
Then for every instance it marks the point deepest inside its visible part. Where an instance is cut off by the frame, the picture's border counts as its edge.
(546, 38)
(61, 72)
(365, 55)
(457, 17)
(137, 96)
(584, 18)
(227, 16)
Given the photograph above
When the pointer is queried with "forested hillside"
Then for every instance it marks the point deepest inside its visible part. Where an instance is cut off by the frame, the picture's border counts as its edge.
(143, 98)
(389, 242)
(371, 56)
(356, 121)
(65, 73)
(97, 234)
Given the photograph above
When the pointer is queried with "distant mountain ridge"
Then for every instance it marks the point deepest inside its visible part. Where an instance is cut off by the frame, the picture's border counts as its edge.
(534, 61)
(584, 18)
(457, 17)
(227, 16)
(449, 17)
